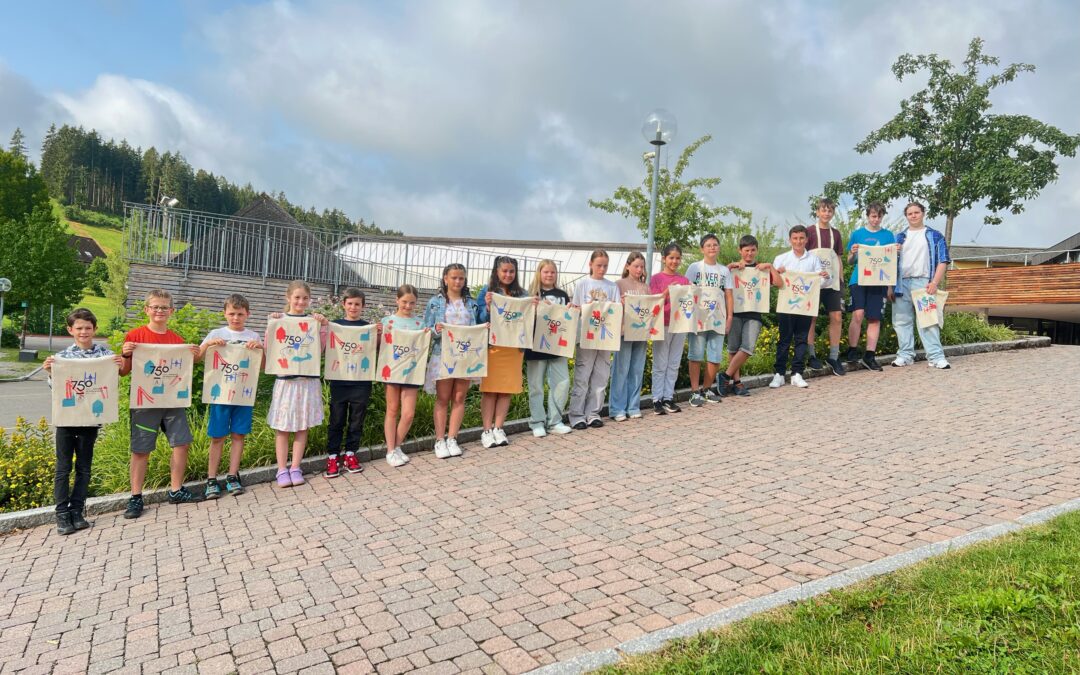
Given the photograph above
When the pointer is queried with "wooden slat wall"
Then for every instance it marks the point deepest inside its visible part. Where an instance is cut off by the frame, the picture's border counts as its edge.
(1048, 284)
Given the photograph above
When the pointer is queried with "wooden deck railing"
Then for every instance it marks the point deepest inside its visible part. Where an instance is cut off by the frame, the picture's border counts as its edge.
(1036, 284)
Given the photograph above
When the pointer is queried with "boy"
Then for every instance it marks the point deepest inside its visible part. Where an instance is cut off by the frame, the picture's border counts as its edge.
(76, 442)
(147, 422)
(822, 235)
(348, 400)
(793, 326)
(708, 345)
(922, 263)
(867, 301)
(224, 419)
(745, 326)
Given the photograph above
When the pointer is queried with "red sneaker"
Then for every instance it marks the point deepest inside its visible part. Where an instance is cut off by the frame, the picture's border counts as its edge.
(352, 464)
(332, 467)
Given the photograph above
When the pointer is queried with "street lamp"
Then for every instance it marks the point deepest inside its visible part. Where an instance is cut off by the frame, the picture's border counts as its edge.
(659, 129)
(5, 286)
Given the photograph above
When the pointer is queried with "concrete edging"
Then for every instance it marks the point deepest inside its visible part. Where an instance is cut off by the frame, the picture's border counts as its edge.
(118, 502)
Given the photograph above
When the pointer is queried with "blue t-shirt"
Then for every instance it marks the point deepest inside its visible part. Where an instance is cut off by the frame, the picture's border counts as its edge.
(864, 237)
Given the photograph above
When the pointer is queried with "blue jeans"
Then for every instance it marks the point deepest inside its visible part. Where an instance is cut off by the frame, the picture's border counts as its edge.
(627, 371)
(904, 324)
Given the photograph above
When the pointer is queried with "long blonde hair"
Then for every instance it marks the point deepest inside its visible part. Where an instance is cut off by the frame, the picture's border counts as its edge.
(634, 255)
(534, 285)
(295, 284)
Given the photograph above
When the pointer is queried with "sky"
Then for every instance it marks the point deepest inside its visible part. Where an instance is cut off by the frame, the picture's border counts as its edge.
(501, 119)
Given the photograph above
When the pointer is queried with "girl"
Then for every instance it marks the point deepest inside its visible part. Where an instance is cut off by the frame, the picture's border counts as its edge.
(667, 353)
(539, 366)
(628, 366)
(296, 404)
(400, 398)
(592, 366)
(504, 363)
(455, 307)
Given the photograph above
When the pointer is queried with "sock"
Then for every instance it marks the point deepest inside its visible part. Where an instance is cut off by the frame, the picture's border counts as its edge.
(834, 352)
(333, 455)
(350, 453)
(870, 353)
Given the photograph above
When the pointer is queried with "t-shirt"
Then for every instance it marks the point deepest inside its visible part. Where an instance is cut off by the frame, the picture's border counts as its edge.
(865, 237)
(144, 334)
(748, 315)
(710, 276)
(232, 337)
(403, 322)
(628, 286)
(555, 296)
(338, 385)
(595, 290)
(659, 283)
(808, 263)
(915, 262)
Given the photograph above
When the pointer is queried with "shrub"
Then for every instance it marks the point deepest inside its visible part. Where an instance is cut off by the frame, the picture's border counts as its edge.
(97, 277)
(27, 466)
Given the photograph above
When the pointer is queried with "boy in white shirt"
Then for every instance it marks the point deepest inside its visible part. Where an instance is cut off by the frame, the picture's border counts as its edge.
(708, 345)
(793, 327)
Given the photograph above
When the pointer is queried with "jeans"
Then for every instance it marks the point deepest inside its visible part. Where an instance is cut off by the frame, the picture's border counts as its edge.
(77, 442)
(557, 373)
(904, 324)
(793, 327)
(627, 372)
(666, 357)
(348, 406)
(591, 370)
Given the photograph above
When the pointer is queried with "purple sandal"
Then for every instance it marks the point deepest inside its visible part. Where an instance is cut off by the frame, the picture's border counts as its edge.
(296, 476)
(283, 479)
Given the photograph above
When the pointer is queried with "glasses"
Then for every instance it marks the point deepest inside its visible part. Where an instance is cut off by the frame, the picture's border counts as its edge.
(159, 308)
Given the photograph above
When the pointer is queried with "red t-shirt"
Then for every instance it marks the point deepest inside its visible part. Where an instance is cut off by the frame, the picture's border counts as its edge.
(144, 334)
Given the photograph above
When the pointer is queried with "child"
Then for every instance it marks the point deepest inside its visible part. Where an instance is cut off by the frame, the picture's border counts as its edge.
(822, 235)
(667, 353)
(793, 326)
(348, 400)
(867, 301)
(224, 419)
(592, 366)
(504, 363)
(628, 364)
(76, 442)
(745, 326)
(147, 422)
(451, 305)
(540, 367)
(296, 404)
(708, 345)
(400, 398)
(922, 265)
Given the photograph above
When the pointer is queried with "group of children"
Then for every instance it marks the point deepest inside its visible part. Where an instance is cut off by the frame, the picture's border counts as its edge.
(296, 404)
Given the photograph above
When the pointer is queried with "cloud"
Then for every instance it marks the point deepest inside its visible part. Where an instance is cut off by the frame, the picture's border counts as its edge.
(21, 106)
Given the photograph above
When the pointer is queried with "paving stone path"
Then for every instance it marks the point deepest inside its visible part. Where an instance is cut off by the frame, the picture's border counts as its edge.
(509, 559)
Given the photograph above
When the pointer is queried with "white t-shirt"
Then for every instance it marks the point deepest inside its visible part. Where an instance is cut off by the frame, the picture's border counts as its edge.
(231, 336)
(915, 258)
(808, 263)
(711, 276)
(595, 290)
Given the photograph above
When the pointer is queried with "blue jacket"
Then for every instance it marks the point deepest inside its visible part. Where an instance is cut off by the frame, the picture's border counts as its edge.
(939, 253)
(435, 312)
(483, 313)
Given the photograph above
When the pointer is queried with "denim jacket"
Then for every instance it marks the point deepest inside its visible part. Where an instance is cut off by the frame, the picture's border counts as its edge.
(483, 313)
(435, 312)
(939, 253)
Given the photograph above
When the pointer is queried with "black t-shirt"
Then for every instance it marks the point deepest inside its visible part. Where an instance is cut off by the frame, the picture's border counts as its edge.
(346, 384)
(556, 296)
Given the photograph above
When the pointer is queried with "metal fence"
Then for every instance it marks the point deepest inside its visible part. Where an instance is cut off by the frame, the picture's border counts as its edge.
(1071, 255)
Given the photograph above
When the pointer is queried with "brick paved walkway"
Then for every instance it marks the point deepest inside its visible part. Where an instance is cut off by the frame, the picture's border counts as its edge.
(523, 556)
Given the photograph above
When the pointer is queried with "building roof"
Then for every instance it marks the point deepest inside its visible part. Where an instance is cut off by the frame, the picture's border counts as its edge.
(1058, 250)
(1017, 254)
(86, 248)
(264, 207)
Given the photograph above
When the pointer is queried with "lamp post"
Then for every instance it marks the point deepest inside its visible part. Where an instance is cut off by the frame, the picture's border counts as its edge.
(5, 286)
(659, 129)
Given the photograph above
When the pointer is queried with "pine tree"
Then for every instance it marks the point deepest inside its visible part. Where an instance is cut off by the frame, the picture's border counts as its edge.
(18, 144)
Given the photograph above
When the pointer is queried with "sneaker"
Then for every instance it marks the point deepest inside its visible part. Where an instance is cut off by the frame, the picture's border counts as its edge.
(900, 362)
(213, 489)
(621, 417)
(814, 362)
(636, 415)
(940, 365)
(740, 389)
(395, 459)
(560, 428)
(837, 367)
(78, 520)
(500, 437)
(723, 382)
(283, 480)
(453, 448)
(712, 397)
(697, 400)
(440, 449)
(596, 423)
(870, 363)
(63, 523)
(580, 426)
(233, 485)
(296, 476)
(487, 439)
(798, 381)
(332, 470)
(134, 507)
(539, 431)
(852, 355)
(352, 464)
(777, 381)
(401, 454)
(658, 408)
(183, 496)
(671, 406)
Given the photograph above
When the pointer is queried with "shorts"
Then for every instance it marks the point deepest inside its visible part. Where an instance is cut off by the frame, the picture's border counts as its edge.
(743, 334)
(147, 422)
(706, 346)
(229, 419)
(832, 301)
(870, 299)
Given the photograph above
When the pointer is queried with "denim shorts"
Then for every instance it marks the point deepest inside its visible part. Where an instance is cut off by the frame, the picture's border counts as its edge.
(229, 419)
(743, 334)
(870, 299)
(706, 346)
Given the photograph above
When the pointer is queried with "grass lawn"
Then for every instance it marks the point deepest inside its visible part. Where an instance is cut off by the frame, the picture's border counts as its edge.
(1007, 606)
(11, 366)
(102, 309)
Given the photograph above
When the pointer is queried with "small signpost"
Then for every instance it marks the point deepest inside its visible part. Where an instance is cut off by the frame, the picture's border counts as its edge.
(5, 286)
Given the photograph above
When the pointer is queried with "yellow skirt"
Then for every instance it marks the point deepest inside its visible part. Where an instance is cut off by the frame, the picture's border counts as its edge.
(504, 371)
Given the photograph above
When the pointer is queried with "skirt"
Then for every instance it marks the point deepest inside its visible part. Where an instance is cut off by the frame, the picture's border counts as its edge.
(504, 371)
(296, 405)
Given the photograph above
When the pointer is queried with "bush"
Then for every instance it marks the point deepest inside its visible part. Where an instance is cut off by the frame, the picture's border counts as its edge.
(10, 338)
(27, 466)
(97, 277)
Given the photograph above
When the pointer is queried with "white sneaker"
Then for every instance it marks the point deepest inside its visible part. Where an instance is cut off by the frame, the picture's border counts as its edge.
(777, 381)
(500, 436)
(560, 428)
(798, 381)
(441, 451)
(539, 432)
(453, 448)
(940, 365)
(634, 415)
(620, 418)
(401, 454)
(394, 459)
(900, 362)
(487, 439)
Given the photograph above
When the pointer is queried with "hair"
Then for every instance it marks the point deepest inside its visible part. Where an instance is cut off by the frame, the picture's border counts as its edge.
(494, 285)
(672, 247)
(293, 286)
(598, 253)
(876, 207)
(796, 229)
(442, 280)
(81, 314)
(407, 289)
(237, 301)
(747, 240)
(825, 201)
(353, 292)
(910, 204)
(534, 285)
(707, 237)
(634, 255)
(160, 294)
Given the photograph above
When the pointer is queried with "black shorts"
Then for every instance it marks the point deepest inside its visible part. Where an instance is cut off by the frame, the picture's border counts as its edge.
(870, 299)
(832, 301)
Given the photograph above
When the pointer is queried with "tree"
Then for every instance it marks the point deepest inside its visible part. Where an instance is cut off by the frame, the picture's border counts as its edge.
(961, 154)
(18, 143)
(682, 216)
